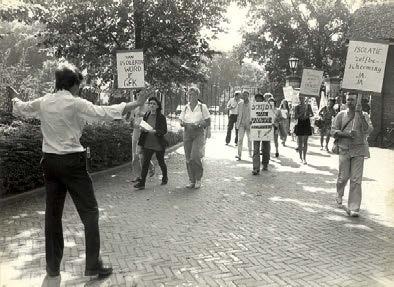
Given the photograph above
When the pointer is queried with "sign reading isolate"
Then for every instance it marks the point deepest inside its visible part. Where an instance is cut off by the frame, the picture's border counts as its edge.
(262, 116)
(311, 82)
(130, 68)
(365, 64)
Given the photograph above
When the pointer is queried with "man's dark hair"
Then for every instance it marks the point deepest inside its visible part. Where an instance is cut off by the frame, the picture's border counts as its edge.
(67, 75)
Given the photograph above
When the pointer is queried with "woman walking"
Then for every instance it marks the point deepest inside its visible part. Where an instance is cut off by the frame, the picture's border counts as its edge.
(276, 122)
(135, 118)
(152, 141)
(302, 113)
(284, 125)
(194, 118)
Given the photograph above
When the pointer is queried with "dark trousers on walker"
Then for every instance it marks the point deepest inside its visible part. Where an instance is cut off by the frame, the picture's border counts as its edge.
(232, 119)
(146, 157)
(64, 173)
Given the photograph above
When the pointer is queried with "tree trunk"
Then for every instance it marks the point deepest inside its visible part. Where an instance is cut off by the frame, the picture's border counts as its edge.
(138, 22)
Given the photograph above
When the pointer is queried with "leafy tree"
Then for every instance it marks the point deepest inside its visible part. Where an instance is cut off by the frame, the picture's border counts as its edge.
(311, 30)
(89, 32)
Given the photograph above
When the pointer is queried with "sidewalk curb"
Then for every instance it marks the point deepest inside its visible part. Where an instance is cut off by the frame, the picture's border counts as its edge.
(41, 190)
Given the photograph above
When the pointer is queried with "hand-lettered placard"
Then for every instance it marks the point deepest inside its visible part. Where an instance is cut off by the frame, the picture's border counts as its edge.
(130, 68)
(311, 82)
(365, 65)
(262, 116)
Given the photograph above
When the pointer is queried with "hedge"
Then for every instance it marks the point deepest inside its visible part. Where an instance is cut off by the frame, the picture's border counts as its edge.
(20, 151)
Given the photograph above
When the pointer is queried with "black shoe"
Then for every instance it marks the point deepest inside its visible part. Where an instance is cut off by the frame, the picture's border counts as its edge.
(277, 154)
(102, 272)
(164, 180)
(52, 274)
(255, 172)
(139, 185)
(138, 179)
(265, 167)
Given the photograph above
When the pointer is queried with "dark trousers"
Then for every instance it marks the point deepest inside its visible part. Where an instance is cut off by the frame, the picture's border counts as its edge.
(265, 149)
(232, 119)
(64, 173)
(146, 157)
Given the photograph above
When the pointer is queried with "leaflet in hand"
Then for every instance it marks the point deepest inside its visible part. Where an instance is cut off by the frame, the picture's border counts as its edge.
(146, 126)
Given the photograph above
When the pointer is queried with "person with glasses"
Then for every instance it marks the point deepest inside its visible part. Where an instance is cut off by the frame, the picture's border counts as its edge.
(63, 115)
(152, 141)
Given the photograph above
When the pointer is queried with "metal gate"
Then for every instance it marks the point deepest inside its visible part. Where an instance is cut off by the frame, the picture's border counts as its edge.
(216, 99)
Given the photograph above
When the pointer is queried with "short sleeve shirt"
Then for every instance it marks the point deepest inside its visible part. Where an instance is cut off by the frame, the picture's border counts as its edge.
(199, 113)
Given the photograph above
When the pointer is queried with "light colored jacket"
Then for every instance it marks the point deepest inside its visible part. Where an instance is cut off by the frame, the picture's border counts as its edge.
(358, 146)
(243, 118)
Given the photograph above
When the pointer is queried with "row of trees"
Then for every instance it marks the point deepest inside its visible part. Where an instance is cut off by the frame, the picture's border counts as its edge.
(176, 53)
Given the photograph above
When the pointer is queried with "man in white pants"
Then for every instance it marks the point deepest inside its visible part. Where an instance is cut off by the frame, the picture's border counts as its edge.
(351, 127)
(243, 124)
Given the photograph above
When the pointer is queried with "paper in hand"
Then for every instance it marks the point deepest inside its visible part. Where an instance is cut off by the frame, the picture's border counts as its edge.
(146, 126)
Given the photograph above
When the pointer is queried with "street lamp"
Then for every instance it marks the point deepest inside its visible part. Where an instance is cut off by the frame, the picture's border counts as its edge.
(293, 63)
(293, 80)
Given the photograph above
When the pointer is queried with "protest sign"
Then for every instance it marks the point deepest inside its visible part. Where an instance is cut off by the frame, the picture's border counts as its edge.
(288, 93)
(261, 115)
(130, 68)
(365, 65)
(295, 98)
(311, 82)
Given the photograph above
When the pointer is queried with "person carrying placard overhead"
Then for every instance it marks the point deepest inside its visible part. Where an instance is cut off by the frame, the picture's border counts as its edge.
(63, 115)
(351, 127)
(194, 118)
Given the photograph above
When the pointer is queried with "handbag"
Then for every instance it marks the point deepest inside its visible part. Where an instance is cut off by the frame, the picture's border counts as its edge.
(335, 146)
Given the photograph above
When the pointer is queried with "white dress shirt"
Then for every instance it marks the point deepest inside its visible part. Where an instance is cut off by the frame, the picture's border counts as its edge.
(63, 117)
(199, 113)
(232, 105)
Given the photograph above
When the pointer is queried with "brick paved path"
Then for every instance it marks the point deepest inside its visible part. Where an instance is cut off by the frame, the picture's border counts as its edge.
(277, 229)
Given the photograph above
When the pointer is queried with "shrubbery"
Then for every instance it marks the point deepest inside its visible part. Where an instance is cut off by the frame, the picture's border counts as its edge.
(20, 151)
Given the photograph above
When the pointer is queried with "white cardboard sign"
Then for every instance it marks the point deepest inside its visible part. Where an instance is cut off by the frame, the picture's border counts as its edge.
(288, 93)
(262, 116)
(365, 65)
(130, 68)
(311, 82)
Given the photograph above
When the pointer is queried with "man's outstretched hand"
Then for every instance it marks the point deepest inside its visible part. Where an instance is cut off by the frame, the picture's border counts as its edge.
(11, 92)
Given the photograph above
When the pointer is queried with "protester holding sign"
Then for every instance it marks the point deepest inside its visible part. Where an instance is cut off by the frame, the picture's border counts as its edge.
(135, 118)
(351, 127)
(63, 116)
(261, 132)
(276, 124)
(303, 129)
(284, 125)
(153, 128)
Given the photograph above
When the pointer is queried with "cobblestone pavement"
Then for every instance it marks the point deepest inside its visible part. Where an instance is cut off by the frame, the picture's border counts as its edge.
(280, 228)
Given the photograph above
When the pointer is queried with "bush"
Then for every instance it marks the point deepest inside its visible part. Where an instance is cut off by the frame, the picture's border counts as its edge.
(20, 151)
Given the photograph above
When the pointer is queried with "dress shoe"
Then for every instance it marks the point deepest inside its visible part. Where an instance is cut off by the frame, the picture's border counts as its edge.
(197, 184)
(276, 154)
(190, 185)
(352, 213)
(255, 172)
(139, 185)
(164, 180)
(102, 271)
